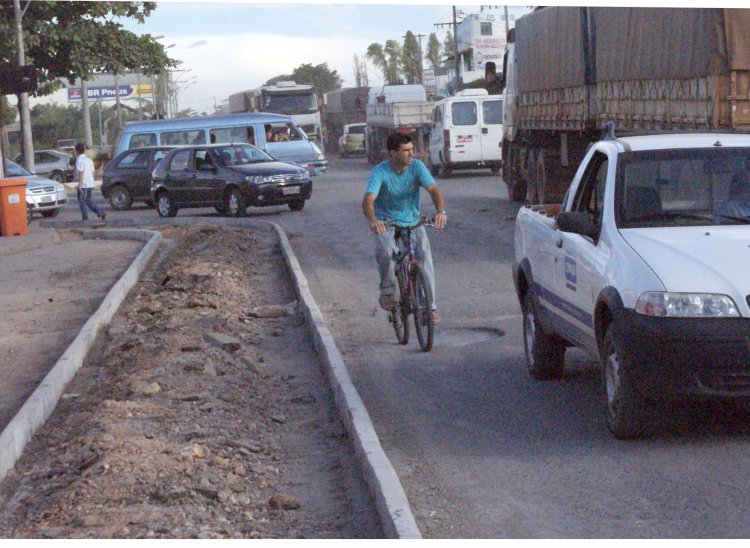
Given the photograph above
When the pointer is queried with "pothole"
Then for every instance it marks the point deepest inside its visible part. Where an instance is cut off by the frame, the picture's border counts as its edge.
(464, 336)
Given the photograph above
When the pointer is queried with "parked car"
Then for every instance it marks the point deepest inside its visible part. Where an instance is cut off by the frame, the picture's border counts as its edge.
(127, 178)
(54, 164)
(43, 195)
(353, 140)
(229, 177)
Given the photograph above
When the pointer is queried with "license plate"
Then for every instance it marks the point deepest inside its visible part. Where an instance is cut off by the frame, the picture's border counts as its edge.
(47, 199)
(290, 190)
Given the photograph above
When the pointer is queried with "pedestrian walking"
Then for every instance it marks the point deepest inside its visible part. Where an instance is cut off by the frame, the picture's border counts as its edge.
(85, 190)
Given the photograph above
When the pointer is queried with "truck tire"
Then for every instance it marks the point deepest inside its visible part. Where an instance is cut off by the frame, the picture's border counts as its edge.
(511, 176)
(541, 176)
(531, 190)
(626, 410)
(545, 354)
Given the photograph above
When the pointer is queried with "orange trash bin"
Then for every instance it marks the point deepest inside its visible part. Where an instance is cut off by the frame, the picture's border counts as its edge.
(13, 207)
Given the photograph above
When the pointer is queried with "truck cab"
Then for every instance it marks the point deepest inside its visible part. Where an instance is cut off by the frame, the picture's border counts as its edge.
(643, 266)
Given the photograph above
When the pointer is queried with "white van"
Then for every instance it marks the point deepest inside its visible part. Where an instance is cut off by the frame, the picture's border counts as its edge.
(289, 143)
(466, 132)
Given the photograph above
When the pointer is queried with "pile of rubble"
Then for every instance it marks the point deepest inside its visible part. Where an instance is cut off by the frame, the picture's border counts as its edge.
(201, 414)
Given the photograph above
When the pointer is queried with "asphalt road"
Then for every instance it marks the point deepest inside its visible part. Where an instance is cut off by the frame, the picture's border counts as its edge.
(482, 450)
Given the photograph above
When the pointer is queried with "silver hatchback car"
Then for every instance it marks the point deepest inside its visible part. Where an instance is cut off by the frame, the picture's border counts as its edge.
(43, 196)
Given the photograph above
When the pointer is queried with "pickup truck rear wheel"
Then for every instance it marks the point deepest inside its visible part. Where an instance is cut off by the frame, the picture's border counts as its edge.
(545, 354)
(626, 409)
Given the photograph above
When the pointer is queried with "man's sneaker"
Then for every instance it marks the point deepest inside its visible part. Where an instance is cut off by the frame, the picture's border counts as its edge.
(387, 302)
(103, 216)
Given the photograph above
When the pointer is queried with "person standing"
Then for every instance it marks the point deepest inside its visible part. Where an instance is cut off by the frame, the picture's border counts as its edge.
(85, 190)
(392, 193)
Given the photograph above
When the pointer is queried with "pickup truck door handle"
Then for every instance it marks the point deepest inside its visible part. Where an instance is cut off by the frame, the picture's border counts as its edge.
(559, 241)
(485, 131)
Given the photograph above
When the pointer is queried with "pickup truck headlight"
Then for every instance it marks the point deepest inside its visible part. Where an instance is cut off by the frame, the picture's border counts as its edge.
(686, 305)
(259, 179)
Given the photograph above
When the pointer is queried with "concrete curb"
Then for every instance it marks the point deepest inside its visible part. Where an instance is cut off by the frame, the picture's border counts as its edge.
(40, 405)
(382, 481)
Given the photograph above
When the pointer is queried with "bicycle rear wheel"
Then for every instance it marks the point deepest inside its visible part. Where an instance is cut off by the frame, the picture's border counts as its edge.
(422, 308)
(399, 317)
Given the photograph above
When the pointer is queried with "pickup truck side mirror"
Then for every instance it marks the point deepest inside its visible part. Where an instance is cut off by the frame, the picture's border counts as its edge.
(577, 222)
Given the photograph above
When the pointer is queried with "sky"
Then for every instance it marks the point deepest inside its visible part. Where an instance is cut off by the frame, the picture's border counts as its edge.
(231, 46)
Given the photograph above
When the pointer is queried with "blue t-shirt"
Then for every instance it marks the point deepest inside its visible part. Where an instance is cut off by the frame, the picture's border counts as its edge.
(397, 194)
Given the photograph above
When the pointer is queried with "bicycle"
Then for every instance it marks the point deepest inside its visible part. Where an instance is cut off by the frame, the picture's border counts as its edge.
(415, 295)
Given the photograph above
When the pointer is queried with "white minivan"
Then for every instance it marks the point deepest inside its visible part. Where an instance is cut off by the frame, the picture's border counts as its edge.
(466, 132)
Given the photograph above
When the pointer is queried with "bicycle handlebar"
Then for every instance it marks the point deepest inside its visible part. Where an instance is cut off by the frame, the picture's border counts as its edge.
(424, 220)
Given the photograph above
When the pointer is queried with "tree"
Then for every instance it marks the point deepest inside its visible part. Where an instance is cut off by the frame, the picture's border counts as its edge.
(71, 40)
(448, 50)
(411, 59)
(376, 54)
(9, 115)
(360, 72)
(392, 51)
(433, 50)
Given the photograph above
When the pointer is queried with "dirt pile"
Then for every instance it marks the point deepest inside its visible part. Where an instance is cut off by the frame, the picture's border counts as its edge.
(203, 413)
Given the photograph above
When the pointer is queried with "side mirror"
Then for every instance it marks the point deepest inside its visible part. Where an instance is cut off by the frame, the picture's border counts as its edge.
(577, 222)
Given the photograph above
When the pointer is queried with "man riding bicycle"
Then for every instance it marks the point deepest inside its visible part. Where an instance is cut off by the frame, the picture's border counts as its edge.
(392, 194)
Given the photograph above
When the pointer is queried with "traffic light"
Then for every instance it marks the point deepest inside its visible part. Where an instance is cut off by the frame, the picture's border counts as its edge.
(15, 80)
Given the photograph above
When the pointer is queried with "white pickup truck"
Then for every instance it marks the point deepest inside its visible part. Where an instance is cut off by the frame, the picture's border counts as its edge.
(645, 266)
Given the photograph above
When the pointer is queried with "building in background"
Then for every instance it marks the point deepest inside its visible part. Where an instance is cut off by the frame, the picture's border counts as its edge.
(481, 38)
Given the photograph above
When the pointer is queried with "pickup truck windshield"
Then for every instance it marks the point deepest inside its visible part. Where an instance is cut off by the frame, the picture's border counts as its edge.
(677, 187)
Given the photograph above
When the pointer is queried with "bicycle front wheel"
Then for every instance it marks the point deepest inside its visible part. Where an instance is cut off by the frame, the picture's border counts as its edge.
(400, 316)
(422, 308)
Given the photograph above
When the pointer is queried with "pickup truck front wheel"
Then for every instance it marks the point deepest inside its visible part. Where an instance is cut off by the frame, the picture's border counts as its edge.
(545, 354)
(626, 409)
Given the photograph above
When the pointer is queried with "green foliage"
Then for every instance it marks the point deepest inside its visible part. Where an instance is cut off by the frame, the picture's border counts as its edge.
(392, 52)
(448, 49)
(433, 50)
(376, 55)
(71, 40)
(9, 113)
(411, 59)
(323, 78)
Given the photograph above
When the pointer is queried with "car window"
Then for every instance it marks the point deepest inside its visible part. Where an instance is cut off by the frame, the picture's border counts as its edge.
(158, 155)
(285, 132)
(233, 135)
(180, 161)
(134, 160)
(492, 112)
(139, 140)
(360, 130)
(590, 195)
(190, 137)
(239, 155)
(14, 170)
(464, 113)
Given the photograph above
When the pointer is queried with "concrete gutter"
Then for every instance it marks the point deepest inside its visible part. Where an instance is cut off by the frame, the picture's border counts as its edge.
(382, 481)
(40, 405)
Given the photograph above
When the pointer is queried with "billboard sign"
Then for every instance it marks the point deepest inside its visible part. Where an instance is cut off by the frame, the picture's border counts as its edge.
(109, 93)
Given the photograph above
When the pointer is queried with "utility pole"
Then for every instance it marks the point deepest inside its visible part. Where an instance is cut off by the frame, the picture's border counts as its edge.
(87, 138)
(455, 47)
(454, 26)
(27, 142)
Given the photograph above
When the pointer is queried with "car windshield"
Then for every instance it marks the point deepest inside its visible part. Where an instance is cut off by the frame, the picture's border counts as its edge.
(14, 170)
(236, 155)
(677, 187)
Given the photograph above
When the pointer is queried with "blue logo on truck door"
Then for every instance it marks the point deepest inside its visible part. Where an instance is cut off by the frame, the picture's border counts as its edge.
(571, 278)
